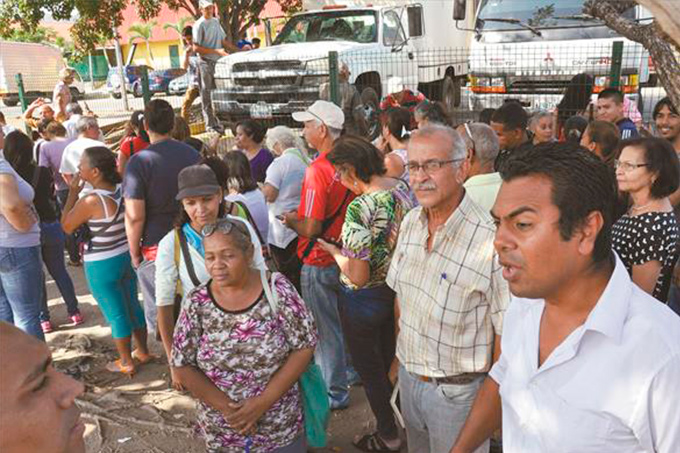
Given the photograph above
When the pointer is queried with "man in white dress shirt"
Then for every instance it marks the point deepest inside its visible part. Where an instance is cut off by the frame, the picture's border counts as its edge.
(589, 362)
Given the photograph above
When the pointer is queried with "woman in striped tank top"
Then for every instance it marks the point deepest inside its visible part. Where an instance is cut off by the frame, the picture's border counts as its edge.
(108, 270)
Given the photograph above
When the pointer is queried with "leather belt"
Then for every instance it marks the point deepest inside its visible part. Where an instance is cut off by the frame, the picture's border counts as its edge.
(459, 379)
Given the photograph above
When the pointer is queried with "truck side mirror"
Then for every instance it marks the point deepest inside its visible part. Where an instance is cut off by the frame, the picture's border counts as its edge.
(459, 7)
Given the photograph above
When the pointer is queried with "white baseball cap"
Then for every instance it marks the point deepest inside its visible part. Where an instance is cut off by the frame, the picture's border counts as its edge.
(326, 112)
(205, 3)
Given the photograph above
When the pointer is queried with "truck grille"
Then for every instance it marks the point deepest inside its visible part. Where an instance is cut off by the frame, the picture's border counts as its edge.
(267, 65)
(537, 86)
(268, 82)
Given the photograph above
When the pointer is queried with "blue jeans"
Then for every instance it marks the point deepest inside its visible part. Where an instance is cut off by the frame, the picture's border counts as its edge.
(674, 298)
(52, 247)
(146, 277)
(20, 288)
(72, 243)
(368, 323)
(320, 291)
(434, 413)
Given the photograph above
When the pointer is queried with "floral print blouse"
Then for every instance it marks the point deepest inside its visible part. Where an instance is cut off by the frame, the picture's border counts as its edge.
(371, 229)
(239, 351)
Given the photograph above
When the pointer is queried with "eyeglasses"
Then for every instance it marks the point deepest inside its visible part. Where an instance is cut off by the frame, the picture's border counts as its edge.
(430, 166)
(627, 166)
(224, 226)
(469, 134)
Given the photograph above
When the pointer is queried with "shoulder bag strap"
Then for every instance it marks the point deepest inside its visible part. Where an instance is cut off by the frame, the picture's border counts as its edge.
(132, 147)
(188, 262)
(178, 287)
(269, 290)
(250, 219)
(325, 226)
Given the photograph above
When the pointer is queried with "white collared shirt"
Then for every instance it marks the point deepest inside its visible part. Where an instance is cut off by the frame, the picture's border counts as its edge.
(613, 385)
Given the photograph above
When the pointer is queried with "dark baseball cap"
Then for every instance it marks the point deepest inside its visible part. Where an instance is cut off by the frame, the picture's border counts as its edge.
(197, 181)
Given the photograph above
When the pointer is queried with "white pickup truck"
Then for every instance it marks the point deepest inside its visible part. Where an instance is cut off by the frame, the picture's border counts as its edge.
(384, 43)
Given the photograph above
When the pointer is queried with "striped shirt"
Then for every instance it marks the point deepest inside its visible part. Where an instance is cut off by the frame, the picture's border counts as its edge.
(108, 237)
(452, 298)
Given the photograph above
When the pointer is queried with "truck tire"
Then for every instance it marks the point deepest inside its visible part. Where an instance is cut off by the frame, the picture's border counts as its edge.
(450, 92)
(75, 94)
(137, 90)
(10, 102)
(371, 103)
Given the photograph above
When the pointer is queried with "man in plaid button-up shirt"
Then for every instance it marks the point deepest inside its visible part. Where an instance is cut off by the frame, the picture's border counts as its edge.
(451, 294)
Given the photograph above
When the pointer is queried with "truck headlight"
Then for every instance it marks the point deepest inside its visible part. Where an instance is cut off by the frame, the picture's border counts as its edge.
(319, 65)
(315, 80)
(487, 84)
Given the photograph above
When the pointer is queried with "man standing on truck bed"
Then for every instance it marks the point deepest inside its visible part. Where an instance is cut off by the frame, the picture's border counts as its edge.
(210, 43)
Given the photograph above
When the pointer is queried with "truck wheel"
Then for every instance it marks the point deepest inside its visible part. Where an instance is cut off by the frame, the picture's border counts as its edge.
(75, 94)
(137, 90)
(450, 94)
(10, 102)
(371, 106)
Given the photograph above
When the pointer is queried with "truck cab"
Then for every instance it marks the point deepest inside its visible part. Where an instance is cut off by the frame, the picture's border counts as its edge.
(383, 44)
(529, 50)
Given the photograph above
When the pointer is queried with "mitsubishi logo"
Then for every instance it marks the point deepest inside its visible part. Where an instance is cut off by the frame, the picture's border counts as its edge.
(549, 59)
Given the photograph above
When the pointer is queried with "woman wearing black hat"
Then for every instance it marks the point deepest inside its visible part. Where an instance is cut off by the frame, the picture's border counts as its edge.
(180, 262)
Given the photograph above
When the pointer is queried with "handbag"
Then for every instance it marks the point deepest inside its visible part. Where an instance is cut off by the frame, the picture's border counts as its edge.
(313, 389)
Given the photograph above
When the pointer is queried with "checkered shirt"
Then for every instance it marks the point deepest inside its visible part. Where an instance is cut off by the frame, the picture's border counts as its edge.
(452, 299)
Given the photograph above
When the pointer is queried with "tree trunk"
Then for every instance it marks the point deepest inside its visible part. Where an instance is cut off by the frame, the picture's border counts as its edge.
(649, 35)
(666, 14)
(148, 52)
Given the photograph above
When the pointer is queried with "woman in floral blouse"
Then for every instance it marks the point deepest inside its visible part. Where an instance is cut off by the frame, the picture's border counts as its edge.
(369, 235)
(238, 357)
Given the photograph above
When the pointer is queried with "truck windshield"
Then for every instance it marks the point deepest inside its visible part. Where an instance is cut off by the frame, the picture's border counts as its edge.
(537, 14)
(356, 26)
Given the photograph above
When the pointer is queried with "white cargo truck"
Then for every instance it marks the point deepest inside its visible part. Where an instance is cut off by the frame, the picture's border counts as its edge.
(384, 43)
(530, 49)
(39, 66)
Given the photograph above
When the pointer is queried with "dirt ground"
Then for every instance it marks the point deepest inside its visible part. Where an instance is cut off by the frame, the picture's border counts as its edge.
(142, 414)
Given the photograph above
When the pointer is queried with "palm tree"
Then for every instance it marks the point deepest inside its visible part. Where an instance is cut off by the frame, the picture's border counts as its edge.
(178, 27)
(143, 31)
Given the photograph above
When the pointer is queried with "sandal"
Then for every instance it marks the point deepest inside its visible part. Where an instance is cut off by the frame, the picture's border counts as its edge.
(373, 442)
(117, 367)
(143, 358)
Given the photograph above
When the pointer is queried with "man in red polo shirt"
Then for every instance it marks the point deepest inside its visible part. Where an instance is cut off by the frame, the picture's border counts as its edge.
(321, 214)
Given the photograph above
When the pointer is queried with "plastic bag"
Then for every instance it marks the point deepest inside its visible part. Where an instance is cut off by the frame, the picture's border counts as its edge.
(315, 405)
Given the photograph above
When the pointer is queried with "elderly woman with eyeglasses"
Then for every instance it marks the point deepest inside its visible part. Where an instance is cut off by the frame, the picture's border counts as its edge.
(240, 357)
(366, 303)
(646, 236)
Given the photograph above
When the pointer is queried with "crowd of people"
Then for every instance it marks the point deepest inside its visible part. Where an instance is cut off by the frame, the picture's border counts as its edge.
(515, 271)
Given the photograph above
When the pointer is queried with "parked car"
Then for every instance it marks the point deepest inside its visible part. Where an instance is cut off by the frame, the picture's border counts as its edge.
(133, 74)
(159, 81)
(179, 85)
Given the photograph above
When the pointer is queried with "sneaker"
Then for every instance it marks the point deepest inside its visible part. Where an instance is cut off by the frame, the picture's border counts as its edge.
(77, 319)
(46, 327)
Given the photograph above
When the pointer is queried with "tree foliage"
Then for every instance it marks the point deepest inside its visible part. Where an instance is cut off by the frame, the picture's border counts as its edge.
(143, 31)
(97, 19)
(650, 35)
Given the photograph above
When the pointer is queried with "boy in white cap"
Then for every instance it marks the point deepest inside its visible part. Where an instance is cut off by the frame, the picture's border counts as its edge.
(321, 214)
(210, 42)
